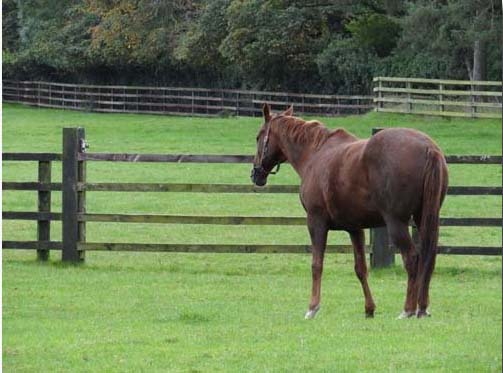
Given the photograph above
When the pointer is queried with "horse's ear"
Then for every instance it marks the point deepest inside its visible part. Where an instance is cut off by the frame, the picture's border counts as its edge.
(288, 112)
(266, 109)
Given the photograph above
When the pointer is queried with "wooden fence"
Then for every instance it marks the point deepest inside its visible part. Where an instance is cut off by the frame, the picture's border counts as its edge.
(176, 101)
(74, 216)
(454, 98)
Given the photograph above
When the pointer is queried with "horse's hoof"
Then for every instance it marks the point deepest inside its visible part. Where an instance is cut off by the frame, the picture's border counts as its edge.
(310, 314)
(406, 315)
(422, 313)
(369, 314)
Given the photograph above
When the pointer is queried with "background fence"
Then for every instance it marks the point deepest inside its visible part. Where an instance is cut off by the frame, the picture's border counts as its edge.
(455, 98)
(74, 216)
(177, 101)
(398, 95)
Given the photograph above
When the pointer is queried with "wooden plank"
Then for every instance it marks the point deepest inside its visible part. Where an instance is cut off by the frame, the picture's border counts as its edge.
(474, 191)
(469, 250)
(201, 158)
(440, 81)
(216, 248)
(124, 95)
(44, 206)
(471, 222)
(215, 220)
(328, 106)
(22, 185)
(47, 157)
(187, 219)
(173, 158)
(32, 245)
(443, 113)
(29, 215)
(480, 115)
(439, 102)
(72, 138)
(438, 91)
(208, 248)
(187, 188)
(474, 159)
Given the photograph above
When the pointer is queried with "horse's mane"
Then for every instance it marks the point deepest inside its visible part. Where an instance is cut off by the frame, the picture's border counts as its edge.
(312, 132)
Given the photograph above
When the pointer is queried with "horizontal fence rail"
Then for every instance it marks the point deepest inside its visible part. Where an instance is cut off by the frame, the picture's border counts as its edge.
(44, 186)
(201, 158)
(209, 188)
(454, 98)
(223, 248)
(176, 100)
(215, 220)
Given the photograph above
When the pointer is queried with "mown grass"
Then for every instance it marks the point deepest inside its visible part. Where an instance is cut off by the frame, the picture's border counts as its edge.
(204, 312)
(179, 312)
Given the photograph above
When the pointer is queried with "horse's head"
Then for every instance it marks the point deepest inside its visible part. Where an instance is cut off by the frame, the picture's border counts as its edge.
(269, 153)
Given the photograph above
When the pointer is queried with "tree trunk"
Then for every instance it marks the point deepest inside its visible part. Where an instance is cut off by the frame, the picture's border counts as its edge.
(479, 61)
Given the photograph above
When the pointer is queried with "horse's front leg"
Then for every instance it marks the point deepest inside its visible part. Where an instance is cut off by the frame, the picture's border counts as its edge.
(358, 241)
(318, 231)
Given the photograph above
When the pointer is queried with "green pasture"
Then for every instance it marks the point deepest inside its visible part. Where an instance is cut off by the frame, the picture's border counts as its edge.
(233, 312)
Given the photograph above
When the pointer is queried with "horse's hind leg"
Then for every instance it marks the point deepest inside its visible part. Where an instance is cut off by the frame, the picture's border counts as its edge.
(358, 241)
(426, 266)
(399, 234)
(420, 271)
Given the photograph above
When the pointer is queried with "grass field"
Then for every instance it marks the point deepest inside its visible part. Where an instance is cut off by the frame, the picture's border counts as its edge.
(203, 312)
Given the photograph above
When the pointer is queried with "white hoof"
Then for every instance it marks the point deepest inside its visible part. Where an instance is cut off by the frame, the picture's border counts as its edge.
(310, 314)
(424, 313)
(406, 315)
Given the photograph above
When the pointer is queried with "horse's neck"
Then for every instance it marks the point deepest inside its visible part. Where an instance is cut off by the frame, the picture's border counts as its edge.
(300, 152)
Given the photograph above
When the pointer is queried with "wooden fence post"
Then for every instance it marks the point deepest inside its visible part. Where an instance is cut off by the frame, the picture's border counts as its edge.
(441, 97)
(74, 172)
(44, 205)
(473, 108)
(382, 254)
(237, 104)
(408, 85)
(380, 104)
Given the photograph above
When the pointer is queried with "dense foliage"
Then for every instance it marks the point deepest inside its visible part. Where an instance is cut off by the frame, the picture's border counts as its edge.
(330, 46)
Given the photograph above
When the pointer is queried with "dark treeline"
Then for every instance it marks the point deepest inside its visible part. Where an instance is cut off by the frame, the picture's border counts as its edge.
(323, 46)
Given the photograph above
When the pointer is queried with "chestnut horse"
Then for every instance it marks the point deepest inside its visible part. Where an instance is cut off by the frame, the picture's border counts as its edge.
(351, 184)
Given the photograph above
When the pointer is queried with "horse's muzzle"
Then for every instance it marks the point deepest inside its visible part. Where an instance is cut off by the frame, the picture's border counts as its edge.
(258, 176)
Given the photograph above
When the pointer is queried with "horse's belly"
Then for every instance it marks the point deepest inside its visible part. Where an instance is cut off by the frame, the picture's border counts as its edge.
(370, 220)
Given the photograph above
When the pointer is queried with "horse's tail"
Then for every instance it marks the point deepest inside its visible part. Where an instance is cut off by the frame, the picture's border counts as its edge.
(435, 180)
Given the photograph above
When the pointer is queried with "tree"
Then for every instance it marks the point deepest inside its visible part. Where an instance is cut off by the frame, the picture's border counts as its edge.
(10, 26)
(273, 43)
(345, 67)
(455, 36)
(199, 46)
(334, 46)
(376, 33)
